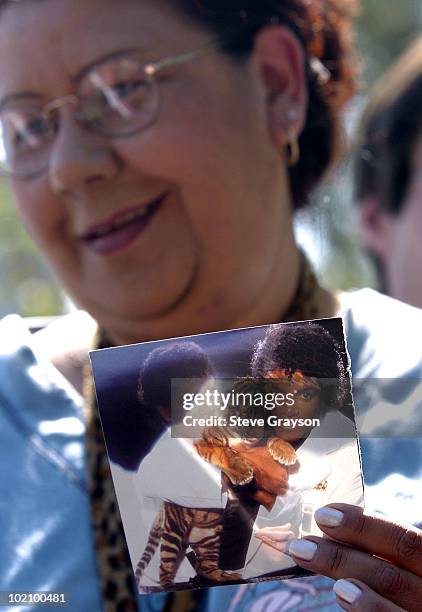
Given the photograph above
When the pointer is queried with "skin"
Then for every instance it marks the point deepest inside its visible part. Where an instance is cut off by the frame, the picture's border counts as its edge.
(187, 272)
(274, 481)
(383, 560)
(220, 253)
(395, 239)
(276, 539)
(307, 397)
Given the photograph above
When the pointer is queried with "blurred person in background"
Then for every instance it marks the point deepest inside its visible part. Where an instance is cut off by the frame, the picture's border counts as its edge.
(157, 150)
(388, 177)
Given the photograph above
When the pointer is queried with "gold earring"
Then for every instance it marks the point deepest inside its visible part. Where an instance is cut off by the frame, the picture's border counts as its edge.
(292, 150)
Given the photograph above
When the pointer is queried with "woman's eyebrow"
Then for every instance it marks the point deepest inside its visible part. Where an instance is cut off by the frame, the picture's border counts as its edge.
(16, 97)
(22, 95)
(104, 58)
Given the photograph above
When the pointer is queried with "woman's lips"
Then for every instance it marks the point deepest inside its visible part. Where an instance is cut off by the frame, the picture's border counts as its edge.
(122, 230)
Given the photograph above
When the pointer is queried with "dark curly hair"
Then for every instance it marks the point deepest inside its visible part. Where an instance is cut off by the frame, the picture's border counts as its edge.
(324, 30)
(309, 348)
(176, 360)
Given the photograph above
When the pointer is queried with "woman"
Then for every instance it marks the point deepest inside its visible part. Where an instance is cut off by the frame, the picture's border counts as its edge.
(143, 181)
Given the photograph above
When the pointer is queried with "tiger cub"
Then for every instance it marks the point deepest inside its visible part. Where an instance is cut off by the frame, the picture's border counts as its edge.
(174, 530)
(218, 445)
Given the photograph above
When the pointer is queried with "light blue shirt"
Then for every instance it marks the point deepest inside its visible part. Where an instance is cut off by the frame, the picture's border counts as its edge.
(46, 542)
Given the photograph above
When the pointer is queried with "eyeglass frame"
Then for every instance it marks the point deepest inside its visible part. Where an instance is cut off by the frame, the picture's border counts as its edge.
(151, 71)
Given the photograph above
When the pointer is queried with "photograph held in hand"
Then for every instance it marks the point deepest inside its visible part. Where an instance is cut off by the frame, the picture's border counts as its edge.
(243, 435)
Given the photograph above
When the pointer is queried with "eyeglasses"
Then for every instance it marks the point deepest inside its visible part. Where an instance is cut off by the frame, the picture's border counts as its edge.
(118, 97)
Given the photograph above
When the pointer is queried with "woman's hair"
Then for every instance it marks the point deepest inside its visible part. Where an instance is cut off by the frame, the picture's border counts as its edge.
(390, 127)
(308, 348)
(324, 30)
(172, 361)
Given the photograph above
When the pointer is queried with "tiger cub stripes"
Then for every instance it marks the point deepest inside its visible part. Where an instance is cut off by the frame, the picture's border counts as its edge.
(151, 546)
(176, 528)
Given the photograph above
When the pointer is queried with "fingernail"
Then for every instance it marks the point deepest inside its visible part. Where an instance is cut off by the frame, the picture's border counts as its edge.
(302, 549)
(328, 517)
(347, 591)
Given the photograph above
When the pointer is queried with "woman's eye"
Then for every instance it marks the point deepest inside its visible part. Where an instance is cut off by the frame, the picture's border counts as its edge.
(125, 97)
(27, 132)
(37, 127)
(128, 88)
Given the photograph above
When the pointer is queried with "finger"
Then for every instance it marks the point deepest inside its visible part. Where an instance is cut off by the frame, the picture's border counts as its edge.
(280, 546)
(324, 556)
(270, 530)
(276, 537)
(355, 596)
(401, 545)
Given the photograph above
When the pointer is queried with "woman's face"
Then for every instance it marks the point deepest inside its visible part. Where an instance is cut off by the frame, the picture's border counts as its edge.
(218, 240)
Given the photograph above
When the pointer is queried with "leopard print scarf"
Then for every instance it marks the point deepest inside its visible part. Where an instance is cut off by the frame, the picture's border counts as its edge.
(114, 567)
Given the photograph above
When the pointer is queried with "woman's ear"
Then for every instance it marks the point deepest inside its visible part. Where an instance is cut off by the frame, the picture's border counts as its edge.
(280, 60)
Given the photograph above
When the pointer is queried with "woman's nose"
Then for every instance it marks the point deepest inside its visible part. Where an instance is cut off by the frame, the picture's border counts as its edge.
(79, 158)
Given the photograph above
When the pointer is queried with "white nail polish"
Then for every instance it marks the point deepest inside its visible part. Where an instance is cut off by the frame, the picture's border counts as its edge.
(347, 590)
(328, 517)
(302, 549)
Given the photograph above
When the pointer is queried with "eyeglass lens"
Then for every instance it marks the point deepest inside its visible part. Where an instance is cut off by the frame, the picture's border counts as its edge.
(115, 98)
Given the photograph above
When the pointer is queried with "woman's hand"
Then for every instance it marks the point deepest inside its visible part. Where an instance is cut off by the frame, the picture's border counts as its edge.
(270, 478)
(381, 561)
(276, 537)
(268, 474)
